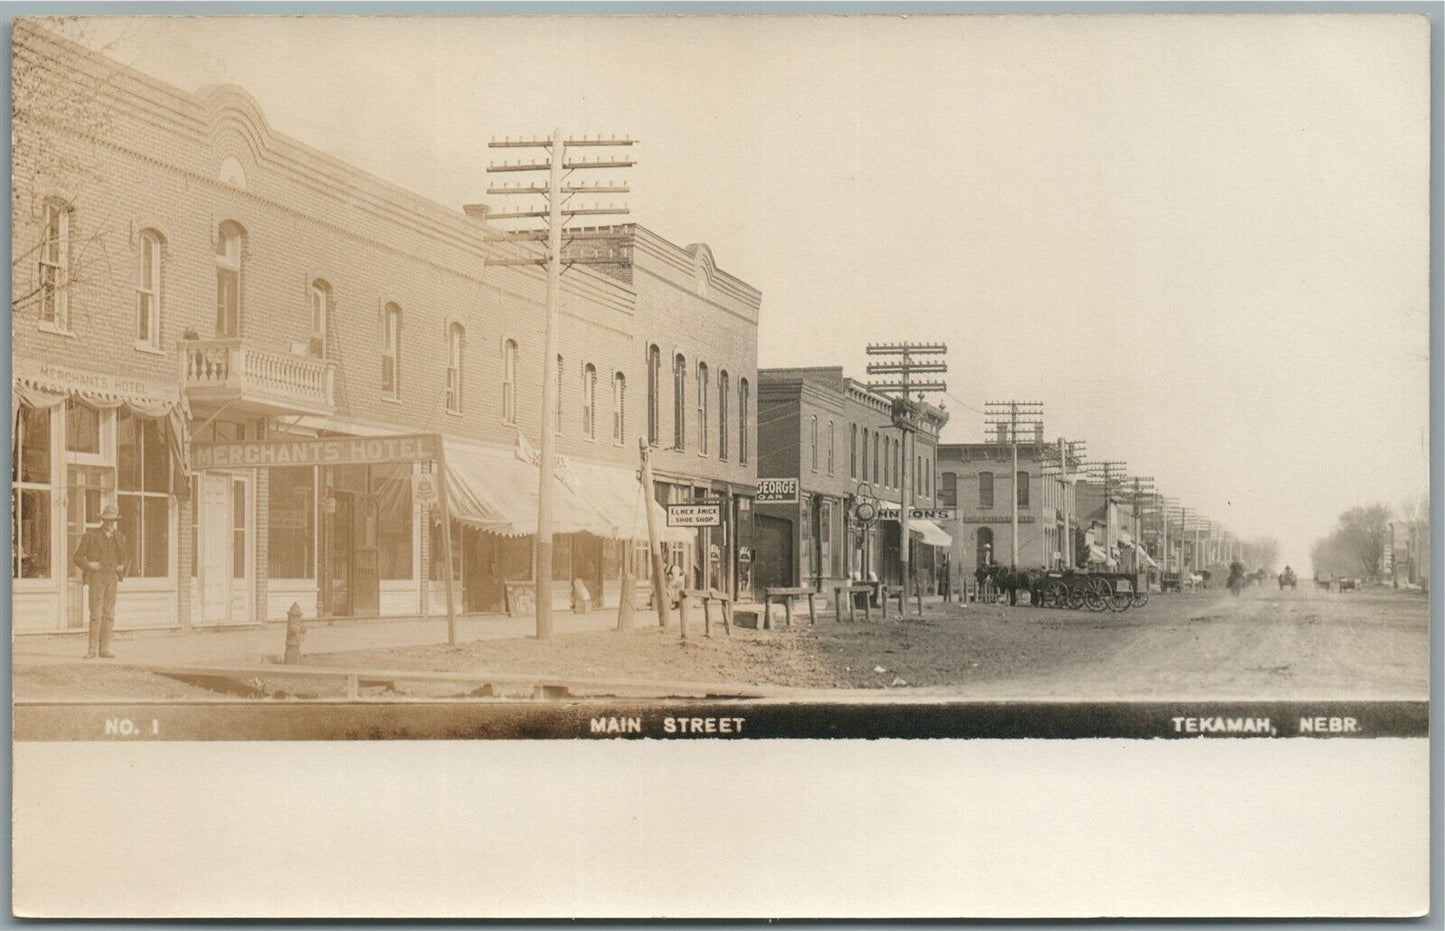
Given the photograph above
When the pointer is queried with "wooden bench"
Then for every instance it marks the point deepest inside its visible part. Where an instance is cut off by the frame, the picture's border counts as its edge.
(850, 590)
(707, 596)
(786, 596)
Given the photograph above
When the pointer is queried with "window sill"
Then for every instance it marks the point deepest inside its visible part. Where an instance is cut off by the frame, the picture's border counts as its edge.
(46, 327)
(390, 400)
(143, 346)
(452, 413)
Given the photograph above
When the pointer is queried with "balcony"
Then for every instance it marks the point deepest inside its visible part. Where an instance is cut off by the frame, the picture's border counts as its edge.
(226, 371)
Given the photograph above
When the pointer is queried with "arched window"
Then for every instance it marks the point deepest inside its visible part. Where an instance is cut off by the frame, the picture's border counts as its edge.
(724, 391)
(813, 441)
(509, 381)
(228, 281)
(679, 402)
(984, 554)
(875, 458)
(391, 351)
(589, 401)
(456, 339)
(654, 401)
(1023, 488)
(985, 489)
(55, 267)
(320, 295)
(948, 491)
(831, 444)
(853, 450)
(619, 408)
(743, 400)
(704, 392)
(148, 291)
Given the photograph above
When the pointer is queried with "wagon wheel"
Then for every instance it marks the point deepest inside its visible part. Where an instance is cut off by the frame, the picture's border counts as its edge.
(1120, 600)
(1078, 594)
(1141, 599)
(1097, 594)
(1056, 594)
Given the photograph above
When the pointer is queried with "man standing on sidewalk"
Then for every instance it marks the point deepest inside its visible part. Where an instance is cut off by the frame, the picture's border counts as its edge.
(103, 557)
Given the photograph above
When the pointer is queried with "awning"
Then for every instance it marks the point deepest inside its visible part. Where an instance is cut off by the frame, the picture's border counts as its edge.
(1125, 539)
(933, 535)
(495, 489)
(1144, 555)
(44, 385)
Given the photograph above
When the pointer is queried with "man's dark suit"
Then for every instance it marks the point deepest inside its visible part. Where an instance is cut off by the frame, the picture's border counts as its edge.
(113, 556)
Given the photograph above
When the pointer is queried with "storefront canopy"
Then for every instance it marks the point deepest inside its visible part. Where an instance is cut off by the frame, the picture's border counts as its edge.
(495, 489)
(933, 535)
(44, 385)
(1145, 558)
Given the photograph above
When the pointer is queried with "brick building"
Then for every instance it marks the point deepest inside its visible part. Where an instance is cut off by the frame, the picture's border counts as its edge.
(977, 478)
(832, 435)
(192, 287)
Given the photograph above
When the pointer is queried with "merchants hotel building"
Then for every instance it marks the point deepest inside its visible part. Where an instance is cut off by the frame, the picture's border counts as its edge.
(192, 287)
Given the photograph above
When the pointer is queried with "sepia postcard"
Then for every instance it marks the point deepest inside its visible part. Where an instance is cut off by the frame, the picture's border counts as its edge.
(721, 466)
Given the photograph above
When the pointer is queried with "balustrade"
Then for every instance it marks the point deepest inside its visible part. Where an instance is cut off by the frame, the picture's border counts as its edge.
(229, 366)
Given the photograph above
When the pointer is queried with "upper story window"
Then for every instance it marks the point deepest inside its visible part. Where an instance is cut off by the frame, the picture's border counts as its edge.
(703, 393)
(619, 408)
(456, 342)
(228, 281)
(148, 292)
(948, 490)
(679, 402)
(54, 269)
(813, 440)
(509, 381)
(589, 401)
(654, 401)
(830, 447)
(875, 455)
(320, 298)
(724, 391)
(1023, 489)
(852, 450)
(743, 399)
(985, 489)
(391, 351)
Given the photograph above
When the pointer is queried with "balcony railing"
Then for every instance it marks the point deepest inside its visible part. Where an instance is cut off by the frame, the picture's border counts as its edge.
(229, 370)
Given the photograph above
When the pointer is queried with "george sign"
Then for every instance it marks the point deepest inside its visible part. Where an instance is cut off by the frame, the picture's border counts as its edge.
(777, 491)
(890, 512)
(314, 451)
(694, 515)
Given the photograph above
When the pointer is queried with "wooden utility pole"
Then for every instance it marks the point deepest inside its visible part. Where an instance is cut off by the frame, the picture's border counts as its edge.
(1013, 416)
(556, 192)
(654, 544)
(445, 515)
(1069, 451)
(1108, 471)
(906, 416)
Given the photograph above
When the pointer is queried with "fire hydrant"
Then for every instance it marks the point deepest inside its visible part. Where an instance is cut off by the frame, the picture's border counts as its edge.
(294, 631)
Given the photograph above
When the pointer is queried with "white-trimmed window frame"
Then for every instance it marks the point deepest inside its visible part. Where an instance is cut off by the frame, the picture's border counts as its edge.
(53, 268)
(511, 352)
(456, 369)
(149, 291)
(589, 401)
(391, 323)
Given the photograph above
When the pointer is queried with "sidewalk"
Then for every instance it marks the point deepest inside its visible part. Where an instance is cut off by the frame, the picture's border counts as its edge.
(257, 644)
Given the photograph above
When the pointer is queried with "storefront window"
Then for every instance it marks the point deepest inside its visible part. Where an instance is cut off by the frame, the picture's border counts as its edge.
(391, 484)
(143, 489)
(291, 515)
(30, 496)
(82, 427)
(438, 550)
(561, 557)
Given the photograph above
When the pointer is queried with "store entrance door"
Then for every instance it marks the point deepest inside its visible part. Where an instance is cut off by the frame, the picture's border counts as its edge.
(225, 548)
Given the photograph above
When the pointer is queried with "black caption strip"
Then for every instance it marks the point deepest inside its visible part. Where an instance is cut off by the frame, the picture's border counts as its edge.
(718, 720)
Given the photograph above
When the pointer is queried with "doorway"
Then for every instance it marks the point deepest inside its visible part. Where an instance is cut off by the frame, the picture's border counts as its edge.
(225, 542)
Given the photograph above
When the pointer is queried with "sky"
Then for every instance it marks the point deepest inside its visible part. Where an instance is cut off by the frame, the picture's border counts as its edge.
(1201, 242)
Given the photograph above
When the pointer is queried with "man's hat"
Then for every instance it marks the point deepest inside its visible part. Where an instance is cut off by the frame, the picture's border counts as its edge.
(110, 513)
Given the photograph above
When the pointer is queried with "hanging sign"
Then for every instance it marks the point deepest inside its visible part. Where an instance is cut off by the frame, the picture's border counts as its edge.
(424, 488)
(694, 515)
(777, 491)
(890, 512)
(315, 451)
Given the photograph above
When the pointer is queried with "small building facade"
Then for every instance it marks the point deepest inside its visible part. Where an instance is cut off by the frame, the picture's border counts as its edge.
(978, 480)
(230, 336)
(827, 441)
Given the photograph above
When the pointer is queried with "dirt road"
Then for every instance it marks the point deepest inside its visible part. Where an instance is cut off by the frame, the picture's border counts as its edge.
(1262, 645)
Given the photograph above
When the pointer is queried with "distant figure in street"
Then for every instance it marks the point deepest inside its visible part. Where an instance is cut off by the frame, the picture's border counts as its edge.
(104, 559)
(676, 582)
